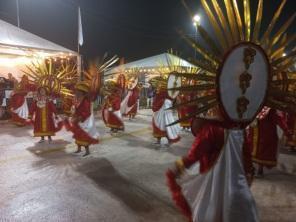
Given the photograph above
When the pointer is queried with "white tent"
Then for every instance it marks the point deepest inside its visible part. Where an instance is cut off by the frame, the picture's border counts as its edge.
(19, 47)
(152, 65)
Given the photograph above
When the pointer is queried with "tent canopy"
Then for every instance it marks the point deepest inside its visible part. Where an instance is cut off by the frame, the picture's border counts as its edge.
(13, 37)
(151, 64)
(18, 48)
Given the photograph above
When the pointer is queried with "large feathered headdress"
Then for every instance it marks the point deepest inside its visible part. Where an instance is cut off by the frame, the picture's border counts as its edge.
(95, 72)
(244, 68)
(54, 77)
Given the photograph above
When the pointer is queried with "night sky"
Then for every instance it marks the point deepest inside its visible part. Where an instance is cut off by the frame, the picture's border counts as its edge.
(129, 28)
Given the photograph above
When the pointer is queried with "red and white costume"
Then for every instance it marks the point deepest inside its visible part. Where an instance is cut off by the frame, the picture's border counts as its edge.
(216, 189)
(18, 103)
(111, 112)
(43, 113)
(163, 117)
(129, 106)
(263, 137)
(84, 128)
(19, 109)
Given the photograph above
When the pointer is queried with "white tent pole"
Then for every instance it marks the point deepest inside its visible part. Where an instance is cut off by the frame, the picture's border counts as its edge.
(18, 13)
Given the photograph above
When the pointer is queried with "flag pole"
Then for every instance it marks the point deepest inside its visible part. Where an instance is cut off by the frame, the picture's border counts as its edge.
(78, 48)
(18, 13)
(78, 27)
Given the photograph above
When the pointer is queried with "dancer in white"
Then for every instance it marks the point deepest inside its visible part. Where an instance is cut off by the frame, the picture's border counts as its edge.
(163, 117)
(83, 122)
(241, 73)
(129, 105)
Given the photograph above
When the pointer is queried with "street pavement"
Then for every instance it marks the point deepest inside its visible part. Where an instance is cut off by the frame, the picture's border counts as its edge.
(121, 181)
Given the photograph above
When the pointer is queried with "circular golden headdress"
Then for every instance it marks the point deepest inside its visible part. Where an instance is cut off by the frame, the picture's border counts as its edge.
(245, 71)
(52, 76)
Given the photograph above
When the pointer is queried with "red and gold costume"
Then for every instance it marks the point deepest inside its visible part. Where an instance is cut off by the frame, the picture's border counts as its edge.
(18, 104)
(163, 117)
(83, 126)
(129, 106)
(263, 138)
(215, 155)
(291, 140)
(44, 111)
(111, 111)
(17, 101)
(158, 102)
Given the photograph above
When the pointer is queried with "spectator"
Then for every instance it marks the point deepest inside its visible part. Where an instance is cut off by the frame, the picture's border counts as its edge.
(150, 95)
(12, 81)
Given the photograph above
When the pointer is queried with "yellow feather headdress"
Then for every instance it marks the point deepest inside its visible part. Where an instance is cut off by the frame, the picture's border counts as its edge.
(243, 70)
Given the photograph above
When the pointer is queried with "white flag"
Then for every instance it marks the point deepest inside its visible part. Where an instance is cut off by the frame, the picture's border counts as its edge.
(80, 33)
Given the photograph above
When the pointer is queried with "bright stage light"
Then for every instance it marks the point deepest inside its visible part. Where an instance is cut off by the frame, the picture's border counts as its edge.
(196, 20)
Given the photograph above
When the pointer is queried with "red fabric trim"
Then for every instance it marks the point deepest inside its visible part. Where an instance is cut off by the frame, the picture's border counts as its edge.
(133, 97)
(18, 120)
(111, 120)
(158, 133)
(177, 195)
(133, 111)
(174, 140)
(158, 100)
(79, 134)
(82, 110)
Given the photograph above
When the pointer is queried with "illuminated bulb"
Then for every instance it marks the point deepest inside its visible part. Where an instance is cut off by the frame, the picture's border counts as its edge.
(284, 54)
(196, 20)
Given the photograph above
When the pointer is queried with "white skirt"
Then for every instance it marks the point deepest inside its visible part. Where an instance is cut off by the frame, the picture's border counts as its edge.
(22, 111)
(164, 117)
(222, 194)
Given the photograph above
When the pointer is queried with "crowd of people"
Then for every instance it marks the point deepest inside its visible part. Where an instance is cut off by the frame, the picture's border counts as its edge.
(262, 133)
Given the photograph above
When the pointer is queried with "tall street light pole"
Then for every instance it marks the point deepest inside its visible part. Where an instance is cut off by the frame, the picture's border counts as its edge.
(196, 21)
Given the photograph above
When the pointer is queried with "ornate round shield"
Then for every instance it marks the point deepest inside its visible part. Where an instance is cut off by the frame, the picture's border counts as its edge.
(243, 82)
(174, 81)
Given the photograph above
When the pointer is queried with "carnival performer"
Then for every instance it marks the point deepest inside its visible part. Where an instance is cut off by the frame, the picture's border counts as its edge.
(82, 123)
(218, 189)
(111, 109)
(44, 115)
(162, 117)
(216, 186)
(264, 140)
(18, 103)
(129, 105)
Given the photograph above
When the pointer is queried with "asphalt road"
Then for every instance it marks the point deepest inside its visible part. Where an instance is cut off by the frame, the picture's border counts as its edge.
(121, 181)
